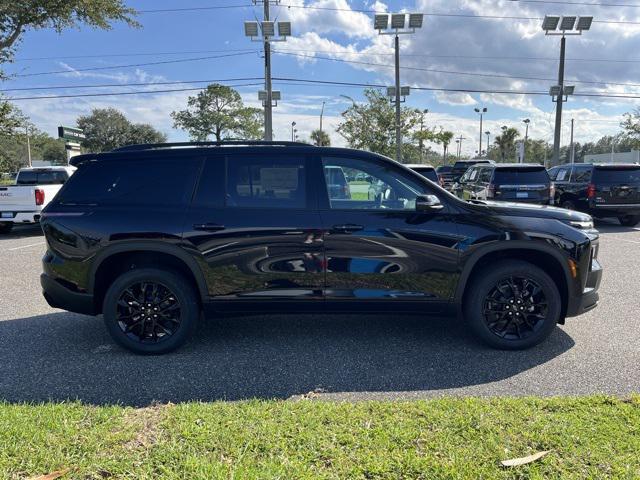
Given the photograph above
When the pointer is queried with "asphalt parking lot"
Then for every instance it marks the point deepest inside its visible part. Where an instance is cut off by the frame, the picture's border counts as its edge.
(48, 354)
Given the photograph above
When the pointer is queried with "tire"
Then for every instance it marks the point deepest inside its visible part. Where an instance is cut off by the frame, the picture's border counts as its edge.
(124, 308)
(6, 227)
(629, 220)
(568, 204)
(517, 335)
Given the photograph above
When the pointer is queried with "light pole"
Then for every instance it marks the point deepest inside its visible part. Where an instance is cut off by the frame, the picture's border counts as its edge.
(459, 142)
(321, 115)
(526, 121)
(572, 149)
(560, 92)
(487, 133)
(398, 23)
(481, 111)
(293, 125)
(268, 34)
(26, 129)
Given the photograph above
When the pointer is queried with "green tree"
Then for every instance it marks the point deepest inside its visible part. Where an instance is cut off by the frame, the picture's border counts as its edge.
(444, 137)
(108, 128)
(11, 118)
(13, 149)
(506, 143)
(631, 129)
(320, 138)
(18, 16)
(219, 111)
(371, 125)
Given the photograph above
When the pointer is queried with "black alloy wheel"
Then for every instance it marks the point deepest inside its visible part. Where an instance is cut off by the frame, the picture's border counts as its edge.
(148, 312)
(512, 304)
(151, 310)
(515, 308)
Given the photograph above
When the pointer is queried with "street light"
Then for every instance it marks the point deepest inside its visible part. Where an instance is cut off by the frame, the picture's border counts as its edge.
(526, 121)
(481, 111)
(487, 133)
(398, 22)
(293, 125)
(565, 26)
(265, 32)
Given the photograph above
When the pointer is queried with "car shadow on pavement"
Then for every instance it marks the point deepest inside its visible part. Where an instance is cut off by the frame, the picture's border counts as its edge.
(23, 231)
(63, 356)
(612, 226)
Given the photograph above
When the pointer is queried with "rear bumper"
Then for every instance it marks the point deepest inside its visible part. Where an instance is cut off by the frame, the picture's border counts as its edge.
(589, 298)
(59, 296)
(22, 217)
(613, 210)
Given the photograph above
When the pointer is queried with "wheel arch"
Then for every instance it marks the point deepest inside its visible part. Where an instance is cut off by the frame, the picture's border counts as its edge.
(542, 256)
(115, 260)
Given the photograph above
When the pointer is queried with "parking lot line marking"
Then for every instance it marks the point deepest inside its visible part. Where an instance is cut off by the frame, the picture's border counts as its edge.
(25, 246)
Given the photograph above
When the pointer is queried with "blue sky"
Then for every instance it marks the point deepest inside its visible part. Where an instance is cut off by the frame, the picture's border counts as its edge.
(483, 51)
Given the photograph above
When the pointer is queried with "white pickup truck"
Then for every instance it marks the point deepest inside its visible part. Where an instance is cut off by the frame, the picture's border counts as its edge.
(34, 188)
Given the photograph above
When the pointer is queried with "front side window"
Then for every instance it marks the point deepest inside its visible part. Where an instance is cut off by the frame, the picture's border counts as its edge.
(561, 175)
(581, 175)
(371, 185)
(258, 182)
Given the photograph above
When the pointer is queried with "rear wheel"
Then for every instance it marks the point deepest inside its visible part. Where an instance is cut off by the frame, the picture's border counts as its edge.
(514, 306)
(6, 227)
(151, 311)
(568, 204)
(629, 220)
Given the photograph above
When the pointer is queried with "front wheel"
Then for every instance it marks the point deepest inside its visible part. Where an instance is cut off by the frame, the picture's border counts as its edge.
(6, 227)
(151, 311)
(629, 220)
(514, 306)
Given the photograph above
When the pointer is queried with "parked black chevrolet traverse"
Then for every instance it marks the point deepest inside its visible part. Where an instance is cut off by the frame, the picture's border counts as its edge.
(151, 235)
(602, 190)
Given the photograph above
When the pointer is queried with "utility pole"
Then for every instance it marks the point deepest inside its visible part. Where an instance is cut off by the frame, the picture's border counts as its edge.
(26, 128)
(481, 111)
(268, 107)
(526, 121)
(293, 125)
(487, 133)
(398, 128)
(460, 139)
(560, 93)
(571, 145)
(321, 114)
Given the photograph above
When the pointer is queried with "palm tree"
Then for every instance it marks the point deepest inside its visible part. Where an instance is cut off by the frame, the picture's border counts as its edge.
(320, 138)
(445, 138)
(506, 141)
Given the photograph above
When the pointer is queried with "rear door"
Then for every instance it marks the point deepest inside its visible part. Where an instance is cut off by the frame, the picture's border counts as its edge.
(257, 230)
(522, 184)
(617, 184)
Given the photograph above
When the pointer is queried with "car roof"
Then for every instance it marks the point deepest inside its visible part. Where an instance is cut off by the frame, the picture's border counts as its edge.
(55, 168)
(615, 165)
(418, 165)
(206, 148)
(475, 160)
(518, 165)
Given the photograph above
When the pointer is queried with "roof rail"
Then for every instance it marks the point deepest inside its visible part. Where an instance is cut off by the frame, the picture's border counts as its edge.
(153, 146)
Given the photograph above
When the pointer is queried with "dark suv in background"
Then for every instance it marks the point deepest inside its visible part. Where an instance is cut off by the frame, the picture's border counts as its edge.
(602, 190)
(507, 182)
(149, 236)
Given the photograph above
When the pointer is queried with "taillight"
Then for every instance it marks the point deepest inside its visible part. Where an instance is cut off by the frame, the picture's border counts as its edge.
(492, 190)
(347, 191)
(39, 196)
(591, 191)
(552, 191)
(441, 180)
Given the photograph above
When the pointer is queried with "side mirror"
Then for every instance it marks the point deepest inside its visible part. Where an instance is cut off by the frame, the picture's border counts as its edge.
(428, 203)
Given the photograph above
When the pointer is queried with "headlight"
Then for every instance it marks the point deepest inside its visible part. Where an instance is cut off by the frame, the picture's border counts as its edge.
(582, 225)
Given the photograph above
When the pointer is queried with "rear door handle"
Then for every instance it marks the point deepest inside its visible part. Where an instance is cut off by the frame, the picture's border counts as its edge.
(208, 227)
(347, 228)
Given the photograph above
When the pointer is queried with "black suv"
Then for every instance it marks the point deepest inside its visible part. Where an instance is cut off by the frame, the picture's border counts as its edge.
(507, 182)
(602, 190)
(152, 235)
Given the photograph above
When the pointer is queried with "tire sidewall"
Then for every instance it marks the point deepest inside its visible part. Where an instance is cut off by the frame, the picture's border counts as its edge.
(179, 286)
(629, 220)
(482, 285)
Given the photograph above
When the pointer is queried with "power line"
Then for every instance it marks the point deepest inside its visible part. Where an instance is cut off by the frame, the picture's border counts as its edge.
(590, 4)
(455, 72)
(211, 57)
(330, 83)
(129, 54)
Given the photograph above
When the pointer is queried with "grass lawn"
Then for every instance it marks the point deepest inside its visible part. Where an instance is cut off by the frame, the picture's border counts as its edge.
(590, 437)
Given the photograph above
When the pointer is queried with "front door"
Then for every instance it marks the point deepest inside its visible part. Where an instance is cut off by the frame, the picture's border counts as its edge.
(255, 229)
(378, 247)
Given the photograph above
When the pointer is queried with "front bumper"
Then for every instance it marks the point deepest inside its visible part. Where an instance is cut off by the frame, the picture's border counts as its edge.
(589, 298)
(59, 296)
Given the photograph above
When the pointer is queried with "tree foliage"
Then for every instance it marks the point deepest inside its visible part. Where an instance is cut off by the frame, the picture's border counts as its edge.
(13, 149)
(108, 128)
(371, 125)
(219, 111)
(18, 16)
(320, 138)
(11, 118)
(506, 143)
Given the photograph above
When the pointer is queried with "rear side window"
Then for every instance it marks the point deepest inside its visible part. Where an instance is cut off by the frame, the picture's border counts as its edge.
(34, 177)
(485, 175)
(617, 175)
(266, 183)
(210, 191)
(137, 182)
(521, 176)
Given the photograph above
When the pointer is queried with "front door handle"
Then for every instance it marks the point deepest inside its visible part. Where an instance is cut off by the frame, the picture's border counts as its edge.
(208, 227)
(347, 228)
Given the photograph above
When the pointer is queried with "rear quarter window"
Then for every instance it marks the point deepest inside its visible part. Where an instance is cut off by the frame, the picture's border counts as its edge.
(520, 176)
(148, 182)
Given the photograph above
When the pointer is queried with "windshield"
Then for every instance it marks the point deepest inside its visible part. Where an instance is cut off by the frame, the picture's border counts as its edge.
(521, 176)
(427, 172)
(617, 174)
